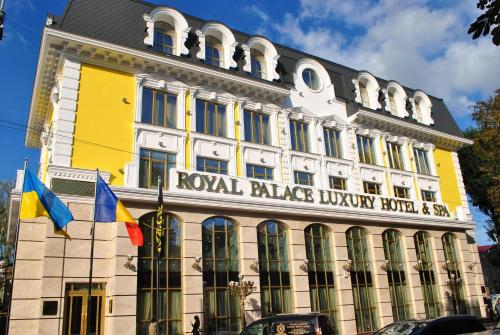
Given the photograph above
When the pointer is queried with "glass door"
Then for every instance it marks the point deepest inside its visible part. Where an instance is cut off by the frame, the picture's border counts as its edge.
(76, 309)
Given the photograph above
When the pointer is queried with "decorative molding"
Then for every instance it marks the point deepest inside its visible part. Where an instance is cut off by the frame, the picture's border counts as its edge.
(61, 172)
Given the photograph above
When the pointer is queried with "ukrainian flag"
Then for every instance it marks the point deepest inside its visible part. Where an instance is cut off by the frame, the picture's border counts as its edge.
(109, 209)
(38, 200)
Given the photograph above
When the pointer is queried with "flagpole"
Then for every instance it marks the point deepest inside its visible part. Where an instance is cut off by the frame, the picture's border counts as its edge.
(92, 234)
(15, 247)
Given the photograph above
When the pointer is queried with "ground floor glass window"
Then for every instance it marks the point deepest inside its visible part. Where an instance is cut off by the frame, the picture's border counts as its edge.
(159, 283)
(427, 277)
(365, 309)
(220, 266)
(396, 275)
(320, 271)
(274, 273)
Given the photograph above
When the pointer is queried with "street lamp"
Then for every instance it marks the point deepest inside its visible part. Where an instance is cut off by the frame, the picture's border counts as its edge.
(242, 289)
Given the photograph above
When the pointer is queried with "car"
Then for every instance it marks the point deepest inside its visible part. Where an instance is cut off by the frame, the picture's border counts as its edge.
(449, 325)
(288, 324)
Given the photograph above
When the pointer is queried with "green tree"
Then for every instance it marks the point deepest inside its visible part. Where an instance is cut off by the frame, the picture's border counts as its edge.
(490, 18)
(5, 248)
(481, 162)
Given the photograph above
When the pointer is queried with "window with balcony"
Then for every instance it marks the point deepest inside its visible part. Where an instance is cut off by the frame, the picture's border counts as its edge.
(164, 38)
(153, 165)
(259, 172)
(159, 108)
(204, 164)
(421, 161)
(428, 196)
(401, 192)
(332, 142)
(299, 136)
(337, 183)
(214, 51)
(256, 127)
(210, 118)
(395, 156)
(371, 188)
(366, 150)
(304, 178)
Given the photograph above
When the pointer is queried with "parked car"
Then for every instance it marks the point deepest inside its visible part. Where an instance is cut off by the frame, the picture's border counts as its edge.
(494, 331)
(448, 325)
(296, 324)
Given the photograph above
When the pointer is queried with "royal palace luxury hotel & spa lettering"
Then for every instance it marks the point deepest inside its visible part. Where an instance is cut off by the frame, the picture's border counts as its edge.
(297, 193)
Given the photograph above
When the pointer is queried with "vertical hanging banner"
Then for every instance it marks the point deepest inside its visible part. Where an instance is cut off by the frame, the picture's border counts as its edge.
(159, 219)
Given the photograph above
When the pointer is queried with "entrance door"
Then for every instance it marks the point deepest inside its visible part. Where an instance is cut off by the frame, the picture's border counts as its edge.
(76, 309)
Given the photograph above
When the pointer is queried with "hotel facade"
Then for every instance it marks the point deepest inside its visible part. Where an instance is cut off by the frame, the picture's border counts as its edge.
(331, 189)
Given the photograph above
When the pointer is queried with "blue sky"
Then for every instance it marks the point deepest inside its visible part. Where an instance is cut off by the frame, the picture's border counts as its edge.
(421, 44)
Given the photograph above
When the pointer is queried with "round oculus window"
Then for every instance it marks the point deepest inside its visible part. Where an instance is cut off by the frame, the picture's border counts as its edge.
(311, 79)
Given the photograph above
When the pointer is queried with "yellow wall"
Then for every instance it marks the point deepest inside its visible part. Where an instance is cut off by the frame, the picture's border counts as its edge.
(105, 118)
(448, 178)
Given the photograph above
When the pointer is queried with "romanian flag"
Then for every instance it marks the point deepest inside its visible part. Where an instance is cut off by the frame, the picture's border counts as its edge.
(109, 209)
(38, 200)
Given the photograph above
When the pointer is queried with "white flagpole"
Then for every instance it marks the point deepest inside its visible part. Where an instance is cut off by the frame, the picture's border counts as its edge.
(15, 247)
(92, 234)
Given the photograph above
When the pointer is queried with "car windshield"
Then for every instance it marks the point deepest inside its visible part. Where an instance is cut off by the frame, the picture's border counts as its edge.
(401, 328)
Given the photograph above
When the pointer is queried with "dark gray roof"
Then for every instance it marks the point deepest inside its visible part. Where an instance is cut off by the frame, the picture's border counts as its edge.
(121, 22)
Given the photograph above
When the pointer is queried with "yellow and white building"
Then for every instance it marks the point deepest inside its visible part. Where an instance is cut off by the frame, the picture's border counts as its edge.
(331, 189)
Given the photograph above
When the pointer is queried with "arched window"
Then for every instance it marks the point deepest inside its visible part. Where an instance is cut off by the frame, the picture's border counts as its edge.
(220, 266)
(159, 287)
(275, 287)
(321, 273)
(453, 271)
(361, 280)
(392, 102)
(258, 64)
(426, 271)
(365, 101)
(396, 275)
(164, 38)
(214, 51)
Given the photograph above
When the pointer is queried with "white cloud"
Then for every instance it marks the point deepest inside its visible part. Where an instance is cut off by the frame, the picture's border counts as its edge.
(419, 45)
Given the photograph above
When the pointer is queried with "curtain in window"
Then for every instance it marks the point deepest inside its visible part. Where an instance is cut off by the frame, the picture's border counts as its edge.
(220, 266)
(275, 286)
(365, 309)
(168, 310)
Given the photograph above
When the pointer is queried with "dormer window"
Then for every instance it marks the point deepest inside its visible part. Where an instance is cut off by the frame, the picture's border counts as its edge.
(214, 51)
(164, 38)
(167, 31)
(418, 111)
(365, 101)
(258, 65)
(311, 79)
(392, 102)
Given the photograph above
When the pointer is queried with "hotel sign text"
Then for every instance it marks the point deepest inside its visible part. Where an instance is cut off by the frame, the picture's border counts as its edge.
(266, 190)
